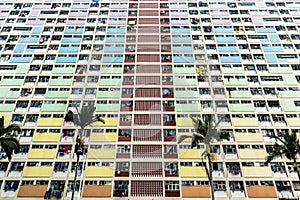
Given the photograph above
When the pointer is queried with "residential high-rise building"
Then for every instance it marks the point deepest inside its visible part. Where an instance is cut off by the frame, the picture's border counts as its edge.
(149, 66)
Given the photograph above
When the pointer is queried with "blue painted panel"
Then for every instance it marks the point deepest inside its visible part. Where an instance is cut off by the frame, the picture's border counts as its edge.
(66, 59)
(19, 48)
(114, 49)
(181, 30)
(112, 60)
(37, 30)
(181, 40)
(68, 49)
(183, 59)
(115, 40)
(228, 49)
(225, 39)
(116, 31)
(271, 58)
(71, 40)
(20, 60)
(28, 40)
(224, 30)
(230, 59)
(182, 49)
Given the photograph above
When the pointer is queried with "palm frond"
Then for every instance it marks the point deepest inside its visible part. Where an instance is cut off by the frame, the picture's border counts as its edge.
(12, 130)
(181, 138)
(10, 145)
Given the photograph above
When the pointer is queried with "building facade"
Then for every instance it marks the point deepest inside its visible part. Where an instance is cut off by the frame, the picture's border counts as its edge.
(148, 66)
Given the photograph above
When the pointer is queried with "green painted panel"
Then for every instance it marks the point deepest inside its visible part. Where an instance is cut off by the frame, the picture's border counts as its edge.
(7, 107)
(232, 70)
(288, 105)
(290, 80)
(289, 94)
(184, 70)
(6, 93)
(187, 94)
(109, 94)
(241, 107)
(53, 107)
(236, 82)
(185, 82)
(60, 82)
(240, 94)
(57, 94)
(280, 70)
(110, 70)
(110, 82)
(107, 107)
(12, 82)
(22, 69)
(187, 107)
(63, 70)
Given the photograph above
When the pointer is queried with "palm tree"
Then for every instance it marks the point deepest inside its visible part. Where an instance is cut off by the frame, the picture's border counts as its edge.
(85, 117)
(8, 142)
(288, 146)
(206, 132)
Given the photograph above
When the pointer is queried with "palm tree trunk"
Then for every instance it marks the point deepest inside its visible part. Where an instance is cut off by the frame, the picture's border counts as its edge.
(296, 168)
(210, 176)
(75, 177)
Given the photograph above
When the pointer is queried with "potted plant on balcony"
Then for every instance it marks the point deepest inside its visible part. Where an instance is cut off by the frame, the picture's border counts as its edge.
(206, 132)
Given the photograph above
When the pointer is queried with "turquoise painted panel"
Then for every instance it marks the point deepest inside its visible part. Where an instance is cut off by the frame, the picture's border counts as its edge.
(116, 31)
(280, 70)
(271, 58)
(114, 49)
(181, 39)
(265, 30)
(183, 59)
(224, 30)
(36, 30)
(225, 39)
(184, 70)
(115, 40)
(230, 59)
(236, 82)
(232, 70)
(274, 38)
(68, 50)
(181, 30)
(19, 48)
(289, 94)
(110, 82)
(28, 40)
(185, 82)
(20, 59)
(228, 49)
(112, 60)
(240, 94)
(182, 49)
(70, 40)
(272, 49)
(290, 80)
(110, 70)
(66, 59)
(73, 31)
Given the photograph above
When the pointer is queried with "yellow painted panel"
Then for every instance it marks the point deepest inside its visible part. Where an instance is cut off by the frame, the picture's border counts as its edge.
(190, 153)
(46, 137)
(248, 137)
(257, 172)
(109, 121)
(293, 122)
(186, 122)
(37, 171)
(192, 172)
(102, 153)
(252, 154)
(244, 122)
(103, 137)
(99, 171)
(42, 153)
(50, 122)
(6, 118)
